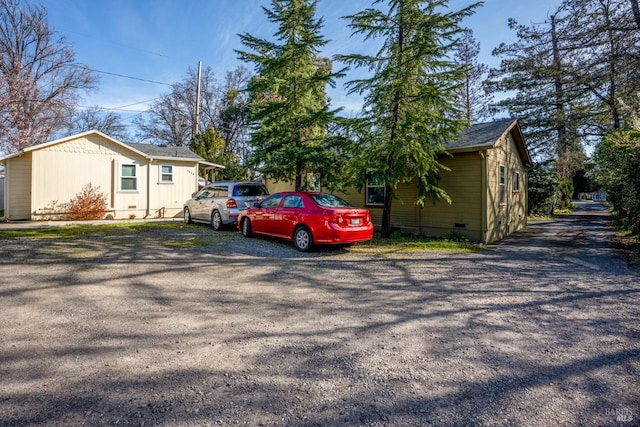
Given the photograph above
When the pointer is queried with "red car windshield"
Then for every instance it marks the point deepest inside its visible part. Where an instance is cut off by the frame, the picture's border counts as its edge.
(329, 201)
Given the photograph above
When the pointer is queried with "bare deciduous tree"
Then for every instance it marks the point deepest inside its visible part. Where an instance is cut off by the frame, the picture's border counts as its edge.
(39, 78)
(223, 107)
(233, 112)
(170, 120)
(96, 118)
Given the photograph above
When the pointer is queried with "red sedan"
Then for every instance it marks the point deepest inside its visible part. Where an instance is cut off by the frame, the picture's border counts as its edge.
(307, 219)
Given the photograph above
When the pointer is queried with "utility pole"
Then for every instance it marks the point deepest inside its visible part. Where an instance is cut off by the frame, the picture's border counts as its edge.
(196, 121)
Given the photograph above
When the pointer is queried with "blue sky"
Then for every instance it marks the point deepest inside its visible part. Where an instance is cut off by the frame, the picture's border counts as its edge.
(157, 40)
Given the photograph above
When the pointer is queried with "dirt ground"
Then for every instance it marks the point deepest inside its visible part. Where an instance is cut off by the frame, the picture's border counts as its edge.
(540, 330)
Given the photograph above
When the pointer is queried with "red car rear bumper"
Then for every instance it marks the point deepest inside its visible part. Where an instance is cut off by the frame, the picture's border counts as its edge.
(334, 234)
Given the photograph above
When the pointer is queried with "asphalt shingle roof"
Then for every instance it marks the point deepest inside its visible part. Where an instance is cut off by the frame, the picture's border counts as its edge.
(480, 136)
(153, 150)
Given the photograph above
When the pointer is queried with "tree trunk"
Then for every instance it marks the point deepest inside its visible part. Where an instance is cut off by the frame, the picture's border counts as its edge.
(298, 184)
(388, 197)
(562, 143)
(635, 6)
(386, 212)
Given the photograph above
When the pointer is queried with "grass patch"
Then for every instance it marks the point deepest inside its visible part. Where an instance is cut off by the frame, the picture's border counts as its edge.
(399, 242)
(160, 234)
(176, 235)
(558, 213)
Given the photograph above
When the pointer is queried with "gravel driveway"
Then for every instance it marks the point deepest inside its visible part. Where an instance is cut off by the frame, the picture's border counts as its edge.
(540, 330)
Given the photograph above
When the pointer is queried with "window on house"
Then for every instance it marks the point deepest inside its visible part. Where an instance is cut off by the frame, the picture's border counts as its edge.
(128, 177)
(516, 182)
(375, 190)
(166, 173)
(503, 186)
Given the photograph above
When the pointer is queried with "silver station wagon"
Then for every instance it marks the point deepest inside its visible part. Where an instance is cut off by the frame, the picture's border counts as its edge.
(220, 203)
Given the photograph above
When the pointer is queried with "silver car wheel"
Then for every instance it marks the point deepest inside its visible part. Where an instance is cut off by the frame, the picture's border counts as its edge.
(302, 239)
(187, 216)
(216, 221)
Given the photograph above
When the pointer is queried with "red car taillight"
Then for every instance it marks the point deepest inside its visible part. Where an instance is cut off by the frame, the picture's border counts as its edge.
(333, 217)
(231, 204)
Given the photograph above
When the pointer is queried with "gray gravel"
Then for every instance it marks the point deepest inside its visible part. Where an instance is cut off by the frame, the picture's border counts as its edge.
(539, 330)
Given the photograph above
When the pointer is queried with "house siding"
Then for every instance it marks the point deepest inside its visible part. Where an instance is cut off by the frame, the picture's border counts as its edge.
(61, 171)
(464, 185)
(1, 193)
(277, 187)
(403, 209)
(167, 199)
(511, 216)
(18, 187)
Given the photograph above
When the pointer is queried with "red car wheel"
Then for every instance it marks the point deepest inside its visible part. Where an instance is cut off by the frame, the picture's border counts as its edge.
(302, 239)
(247, 230)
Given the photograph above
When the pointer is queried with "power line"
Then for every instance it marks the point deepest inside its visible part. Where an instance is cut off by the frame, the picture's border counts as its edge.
(141, 102)
(127, 77)
(111, 109)
(121, 108)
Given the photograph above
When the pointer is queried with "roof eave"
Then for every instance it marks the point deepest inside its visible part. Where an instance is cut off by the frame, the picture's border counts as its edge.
(524, 151)
(209, 164)
(173, 158)
(471, 149)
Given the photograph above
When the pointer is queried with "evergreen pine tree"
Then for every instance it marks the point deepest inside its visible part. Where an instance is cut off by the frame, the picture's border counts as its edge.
(473, 99)
(289, 109)
(410, 98)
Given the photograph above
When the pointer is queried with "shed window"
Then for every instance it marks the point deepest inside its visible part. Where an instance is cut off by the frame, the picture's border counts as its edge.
(503, 185)
(166, 173)
(375, 190)
(516, 182)
(128, 177)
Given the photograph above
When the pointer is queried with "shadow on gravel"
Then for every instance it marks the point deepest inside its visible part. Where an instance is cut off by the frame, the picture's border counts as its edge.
(98, 333)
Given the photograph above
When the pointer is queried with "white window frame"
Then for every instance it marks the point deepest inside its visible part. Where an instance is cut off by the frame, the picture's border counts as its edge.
(502, 185)
(134, 178)
(371, 184)
(161, 174)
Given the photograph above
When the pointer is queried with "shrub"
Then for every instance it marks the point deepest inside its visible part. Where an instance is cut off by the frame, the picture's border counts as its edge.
(456, 236)
(89, 204)
(618, 158)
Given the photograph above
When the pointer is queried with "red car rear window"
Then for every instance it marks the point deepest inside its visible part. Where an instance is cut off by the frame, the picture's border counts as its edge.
(329, 201)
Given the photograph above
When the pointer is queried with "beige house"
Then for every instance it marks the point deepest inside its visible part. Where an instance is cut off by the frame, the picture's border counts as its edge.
(1, 190)
(138, 180)
(487, 183)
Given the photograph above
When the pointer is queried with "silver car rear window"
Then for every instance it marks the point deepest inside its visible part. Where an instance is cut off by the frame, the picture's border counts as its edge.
(249, 190)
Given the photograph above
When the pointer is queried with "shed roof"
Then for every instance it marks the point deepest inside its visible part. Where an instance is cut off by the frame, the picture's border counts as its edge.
(487, 135)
